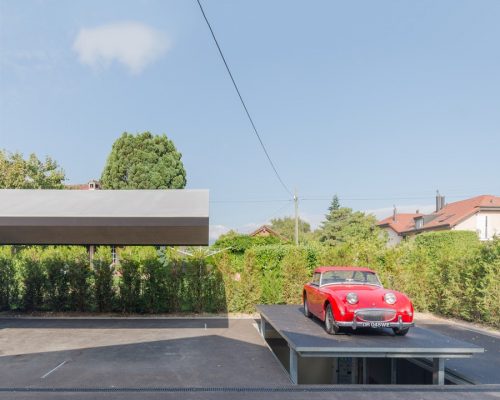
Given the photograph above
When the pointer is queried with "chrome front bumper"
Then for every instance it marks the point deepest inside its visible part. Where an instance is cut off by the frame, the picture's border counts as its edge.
(375, 324)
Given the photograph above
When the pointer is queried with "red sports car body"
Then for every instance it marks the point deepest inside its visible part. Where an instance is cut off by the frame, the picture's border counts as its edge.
(354, 297)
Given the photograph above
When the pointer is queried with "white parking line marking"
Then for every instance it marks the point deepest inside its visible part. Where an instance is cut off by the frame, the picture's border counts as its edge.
(53, 369)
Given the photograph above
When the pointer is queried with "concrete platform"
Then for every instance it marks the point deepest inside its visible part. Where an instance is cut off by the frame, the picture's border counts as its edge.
(307, 338)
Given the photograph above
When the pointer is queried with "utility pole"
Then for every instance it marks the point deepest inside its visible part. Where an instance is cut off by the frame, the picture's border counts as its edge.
(296, 201)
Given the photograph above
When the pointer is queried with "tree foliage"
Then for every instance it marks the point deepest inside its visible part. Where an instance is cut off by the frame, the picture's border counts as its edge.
(143, 161)
(286, 227)
(343, 225)
(31, 173)
(239, 243)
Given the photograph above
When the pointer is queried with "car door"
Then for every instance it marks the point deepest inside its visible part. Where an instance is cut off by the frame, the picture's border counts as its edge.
(314, 296)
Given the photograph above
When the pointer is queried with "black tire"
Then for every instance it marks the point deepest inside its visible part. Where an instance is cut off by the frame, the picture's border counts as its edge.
(400, 332)
(307, 313)
(331, 326)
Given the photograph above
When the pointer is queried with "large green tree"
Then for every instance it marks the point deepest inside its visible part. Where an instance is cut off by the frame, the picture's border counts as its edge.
(286, 227)
(143, 161)
(31, 173)
(343, 225)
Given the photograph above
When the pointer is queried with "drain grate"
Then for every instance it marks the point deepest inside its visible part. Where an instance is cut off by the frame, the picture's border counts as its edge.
(282, 389)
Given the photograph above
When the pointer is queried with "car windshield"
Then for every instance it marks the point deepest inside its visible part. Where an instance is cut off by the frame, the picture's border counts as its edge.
(350, 277)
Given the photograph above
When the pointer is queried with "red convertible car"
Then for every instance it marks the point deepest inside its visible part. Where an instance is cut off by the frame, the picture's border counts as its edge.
(354, 297)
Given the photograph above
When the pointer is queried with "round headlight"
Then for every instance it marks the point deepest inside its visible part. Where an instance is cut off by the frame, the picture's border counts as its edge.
(352, 298)
(390, 298)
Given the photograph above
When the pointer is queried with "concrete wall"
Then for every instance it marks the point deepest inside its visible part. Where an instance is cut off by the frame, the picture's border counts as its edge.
(486, 224)
(393, 237)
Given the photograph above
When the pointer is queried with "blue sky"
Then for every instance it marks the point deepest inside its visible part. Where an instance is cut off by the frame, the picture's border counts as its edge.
(380, 102)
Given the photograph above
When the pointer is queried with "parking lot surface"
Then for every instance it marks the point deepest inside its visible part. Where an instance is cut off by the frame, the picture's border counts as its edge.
(163, 358)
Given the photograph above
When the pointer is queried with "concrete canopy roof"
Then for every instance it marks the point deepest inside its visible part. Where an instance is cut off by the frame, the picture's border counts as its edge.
(121, 217)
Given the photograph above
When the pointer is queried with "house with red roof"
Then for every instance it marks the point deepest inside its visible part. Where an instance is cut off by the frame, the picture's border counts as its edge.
(480, 214)
(265, 231)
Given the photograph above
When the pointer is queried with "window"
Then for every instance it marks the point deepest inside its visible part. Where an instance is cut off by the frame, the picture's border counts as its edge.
(419, 223)
(316, 278)
(349, 277)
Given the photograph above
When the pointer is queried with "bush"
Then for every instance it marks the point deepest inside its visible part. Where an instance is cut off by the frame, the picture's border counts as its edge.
(156, 281)
(295, 274)
(104, 289)
(129, 269)
(449, 273)
(33, 278)
(9, 289)
(80, 276)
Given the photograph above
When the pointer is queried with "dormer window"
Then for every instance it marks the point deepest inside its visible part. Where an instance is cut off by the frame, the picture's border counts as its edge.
(419, 222)
(93, 185)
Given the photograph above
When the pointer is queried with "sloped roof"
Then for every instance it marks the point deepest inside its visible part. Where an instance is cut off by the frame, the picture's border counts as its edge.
(448, 217)
(403, 222)
(454, 213)
(265, 228)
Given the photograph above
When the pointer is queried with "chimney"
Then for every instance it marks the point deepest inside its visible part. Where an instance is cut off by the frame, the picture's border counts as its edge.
(439, 201)
(394, 213)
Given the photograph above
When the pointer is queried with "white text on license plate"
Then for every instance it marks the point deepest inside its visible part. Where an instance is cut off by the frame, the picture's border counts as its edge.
(378, 324)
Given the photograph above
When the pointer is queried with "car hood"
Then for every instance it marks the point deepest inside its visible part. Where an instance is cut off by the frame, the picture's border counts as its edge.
(369, 295)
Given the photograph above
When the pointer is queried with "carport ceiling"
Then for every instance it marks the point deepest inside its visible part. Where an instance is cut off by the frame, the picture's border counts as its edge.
(93, 217)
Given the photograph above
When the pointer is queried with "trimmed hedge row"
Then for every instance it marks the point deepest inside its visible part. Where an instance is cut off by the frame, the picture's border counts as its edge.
(448, 273)
(61, 278)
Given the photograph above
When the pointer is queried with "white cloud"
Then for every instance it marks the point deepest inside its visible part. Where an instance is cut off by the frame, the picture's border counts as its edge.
(133, 44)
(314, 220)
(216, 230)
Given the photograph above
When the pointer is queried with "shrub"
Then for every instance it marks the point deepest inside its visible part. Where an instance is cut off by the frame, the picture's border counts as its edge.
(56, 268)
(250, 288)
(80, 279)
(295, 275)
(33, 278)
(9, 287)
(103, 287)
(156, 275)
(129, 269)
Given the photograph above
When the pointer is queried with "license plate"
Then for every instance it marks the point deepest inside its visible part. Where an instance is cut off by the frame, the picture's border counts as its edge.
(379, 324)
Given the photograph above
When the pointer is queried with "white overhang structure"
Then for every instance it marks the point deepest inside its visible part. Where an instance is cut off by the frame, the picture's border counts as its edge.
(104, 217)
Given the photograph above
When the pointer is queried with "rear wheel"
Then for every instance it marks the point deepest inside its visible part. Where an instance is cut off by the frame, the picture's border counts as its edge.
(307, 313)
(331, 326)
(400, 332)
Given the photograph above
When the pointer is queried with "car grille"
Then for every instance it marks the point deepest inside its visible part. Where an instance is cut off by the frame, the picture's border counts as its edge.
(382, 315)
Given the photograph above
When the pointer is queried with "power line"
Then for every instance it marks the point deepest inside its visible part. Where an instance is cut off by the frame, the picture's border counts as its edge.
(242, 101)
(325, 198)
(250, 201)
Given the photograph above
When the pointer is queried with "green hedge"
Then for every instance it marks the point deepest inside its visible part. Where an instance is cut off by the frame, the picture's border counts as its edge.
(448, 273)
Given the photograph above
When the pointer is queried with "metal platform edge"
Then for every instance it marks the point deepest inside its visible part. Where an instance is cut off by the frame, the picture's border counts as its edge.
(437, 357)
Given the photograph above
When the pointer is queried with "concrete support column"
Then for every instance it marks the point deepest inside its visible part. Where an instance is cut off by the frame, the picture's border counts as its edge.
(354, 370)
(365, 371)
(394, 371)
(335, 370)
(438, 371)
(294, 366)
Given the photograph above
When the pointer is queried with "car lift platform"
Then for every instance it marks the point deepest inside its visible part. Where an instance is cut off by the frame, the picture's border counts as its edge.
(306, 338)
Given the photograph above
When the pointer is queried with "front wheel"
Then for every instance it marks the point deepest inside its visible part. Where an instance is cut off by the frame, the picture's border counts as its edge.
(331, 326)
(307, 313)
(400, 332)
